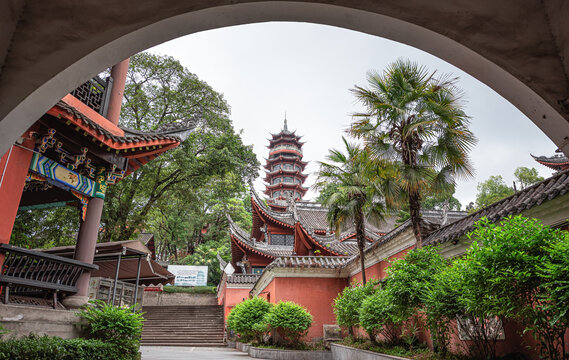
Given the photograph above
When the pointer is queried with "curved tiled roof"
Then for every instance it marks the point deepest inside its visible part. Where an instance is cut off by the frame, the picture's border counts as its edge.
(130, 136)
(285, 218)
(261, 248)
(321, 262)
(244, 279)
(525, 199)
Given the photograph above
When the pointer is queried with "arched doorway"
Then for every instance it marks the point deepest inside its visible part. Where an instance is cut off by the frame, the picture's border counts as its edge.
(516, 50)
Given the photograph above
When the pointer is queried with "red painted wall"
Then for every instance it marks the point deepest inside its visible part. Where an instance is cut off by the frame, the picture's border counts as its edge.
(315, 294)
(378, 271)
(231, 298)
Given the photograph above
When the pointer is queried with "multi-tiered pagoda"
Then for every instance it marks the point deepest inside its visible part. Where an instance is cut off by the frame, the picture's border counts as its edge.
(284, 168)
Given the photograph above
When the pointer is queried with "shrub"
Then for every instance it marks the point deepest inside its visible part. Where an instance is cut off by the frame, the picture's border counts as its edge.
(441, 305)
(380, 314)
(290, 320)
(117, 325)
(349, 301)
(502, 278)
(409, 278)
(54, 348)
(247, 318)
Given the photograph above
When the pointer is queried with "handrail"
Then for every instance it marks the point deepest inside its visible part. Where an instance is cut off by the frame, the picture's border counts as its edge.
(4, 248)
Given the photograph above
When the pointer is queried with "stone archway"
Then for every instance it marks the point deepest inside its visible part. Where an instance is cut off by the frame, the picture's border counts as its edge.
(520, 51)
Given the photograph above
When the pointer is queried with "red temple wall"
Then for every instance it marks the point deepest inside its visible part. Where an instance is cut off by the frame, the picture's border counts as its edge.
(378, 270)
(317, 297)
(233, 297)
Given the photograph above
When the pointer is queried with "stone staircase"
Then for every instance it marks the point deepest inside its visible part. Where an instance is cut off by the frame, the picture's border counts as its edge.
(184, 325)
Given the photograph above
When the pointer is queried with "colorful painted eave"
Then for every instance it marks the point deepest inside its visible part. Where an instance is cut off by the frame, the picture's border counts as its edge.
(107, 135)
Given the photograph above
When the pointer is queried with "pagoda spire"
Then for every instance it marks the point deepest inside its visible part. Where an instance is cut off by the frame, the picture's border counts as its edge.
(285, 128)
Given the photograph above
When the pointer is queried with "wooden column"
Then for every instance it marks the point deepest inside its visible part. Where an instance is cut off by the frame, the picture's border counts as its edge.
(14, 167)
(85, 251)
(118, 73)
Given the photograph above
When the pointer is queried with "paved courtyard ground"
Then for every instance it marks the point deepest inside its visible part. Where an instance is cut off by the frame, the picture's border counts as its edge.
(186, 353)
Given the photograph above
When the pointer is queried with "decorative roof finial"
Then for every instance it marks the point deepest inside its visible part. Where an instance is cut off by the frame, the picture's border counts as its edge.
(285, 125)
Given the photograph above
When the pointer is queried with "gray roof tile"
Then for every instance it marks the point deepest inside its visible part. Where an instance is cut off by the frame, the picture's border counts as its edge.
(534, 195)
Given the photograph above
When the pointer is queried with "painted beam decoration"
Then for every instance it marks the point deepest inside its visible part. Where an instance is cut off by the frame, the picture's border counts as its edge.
(71, 180)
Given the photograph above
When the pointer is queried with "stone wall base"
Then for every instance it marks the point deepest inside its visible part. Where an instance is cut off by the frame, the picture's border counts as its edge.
(22, 320)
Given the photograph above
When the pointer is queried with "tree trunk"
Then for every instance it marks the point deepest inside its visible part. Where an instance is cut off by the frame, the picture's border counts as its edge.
(360, 238)
(415, 213)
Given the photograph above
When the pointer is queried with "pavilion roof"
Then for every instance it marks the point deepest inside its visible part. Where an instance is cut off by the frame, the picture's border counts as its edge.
(525, 199)
(555, 162)
(131, 144)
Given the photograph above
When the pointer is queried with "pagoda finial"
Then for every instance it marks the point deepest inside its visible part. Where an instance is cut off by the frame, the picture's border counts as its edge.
(285, 124)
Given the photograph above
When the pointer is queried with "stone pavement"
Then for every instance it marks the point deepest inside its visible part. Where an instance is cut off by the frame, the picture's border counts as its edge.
(191, 353)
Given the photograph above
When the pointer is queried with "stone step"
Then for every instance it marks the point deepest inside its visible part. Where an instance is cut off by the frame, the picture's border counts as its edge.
(191, 325)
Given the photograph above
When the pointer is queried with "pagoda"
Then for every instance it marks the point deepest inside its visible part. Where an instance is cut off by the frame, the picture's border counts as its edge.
(284, 169)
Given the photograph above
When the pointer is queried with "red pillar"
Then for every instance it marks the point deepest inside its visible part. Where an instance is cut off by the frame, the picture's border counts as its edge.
(85, 251)
(14, 167)
(118, 73)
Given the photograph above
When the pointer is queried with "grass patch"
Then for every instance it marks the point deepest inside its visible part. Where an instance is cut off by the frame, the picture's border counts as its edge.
(190, 289)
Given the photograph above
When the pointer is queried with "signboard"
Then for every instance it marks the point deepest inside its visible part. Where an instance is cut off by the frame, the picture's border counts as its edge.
(187, 275)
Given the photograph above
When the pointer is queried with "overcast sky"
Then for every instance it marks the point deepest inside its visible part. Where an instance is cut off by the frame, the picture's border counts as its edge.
(306, 70)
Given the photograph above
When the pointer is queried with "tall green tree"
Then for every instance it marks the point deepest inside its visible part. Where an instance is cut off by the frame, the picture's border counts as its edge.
(161, 93)
(415, 121)
(492, 190)
(526, 176)
(350, 195)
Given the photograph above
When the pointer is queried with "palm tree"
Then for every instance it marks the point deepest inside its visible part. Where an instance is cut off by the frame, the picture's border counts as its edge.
(416, 122)
(346, 189)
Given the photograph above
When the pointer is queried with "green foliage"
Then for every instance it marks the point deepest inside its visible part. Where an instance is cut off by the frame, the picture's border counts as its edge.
(415, 121)
(441, 306)
(206, 255)
(527, 177)
(248, 318)
(290, 320)
(409, 278)
(54, 348)
(349, 302)
(502, 276)
(555, 275)
(350, 193)
(190, 289)
(492, 190)
(116, 325)
(380, 314)
(184, 190)
(45, 228)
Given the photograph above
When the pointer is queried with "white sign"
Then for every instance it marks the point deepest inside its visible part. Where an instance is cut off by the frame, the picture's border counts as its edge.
(187, 275)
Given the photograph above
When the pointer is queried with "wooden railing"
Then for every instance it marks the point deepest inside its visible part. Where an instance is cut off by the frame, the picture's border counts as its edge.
(27, 271)
(95, 94)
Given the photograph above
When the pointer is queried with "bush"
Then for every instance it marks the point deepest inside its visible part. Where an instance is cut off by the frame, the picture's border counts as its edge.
(54, 348)
(117, 325)
(247, 318)
(379, 314)
(290, 320)
(348, 303)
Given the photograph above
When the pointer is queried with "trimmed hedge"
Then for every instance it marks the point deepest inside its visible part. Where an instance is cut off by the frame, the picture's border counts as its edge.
(54, 348)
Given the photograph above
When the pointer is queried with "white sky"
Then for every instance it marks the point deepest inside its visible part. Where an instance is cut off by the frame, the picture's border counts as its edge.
(307, 70)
